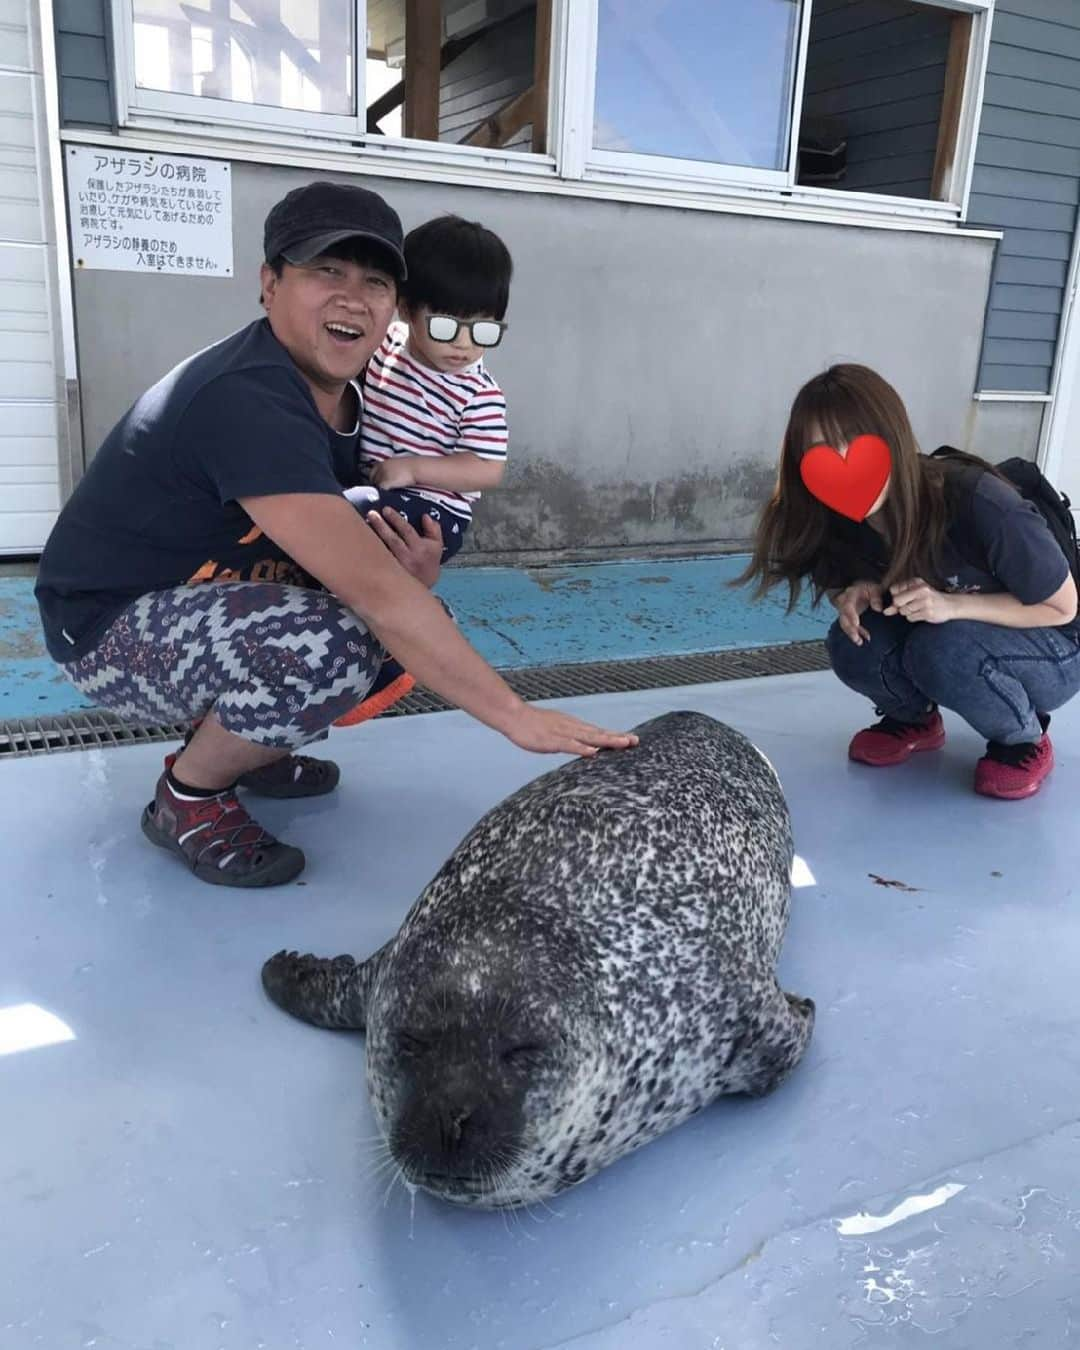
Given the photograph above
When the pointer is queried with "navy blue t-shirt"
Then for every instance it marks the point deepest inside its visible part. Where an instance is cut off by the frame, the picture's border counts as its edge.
(996, 541)
(158, 507)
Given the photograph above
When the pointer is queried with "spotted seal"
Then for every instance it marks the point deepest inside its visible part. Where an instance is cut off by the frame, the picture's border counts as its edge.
(592, 965)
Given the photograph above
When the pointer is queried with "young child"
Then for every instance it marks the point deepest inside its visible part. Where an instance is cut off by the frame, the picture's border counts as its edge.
(433, 433)
(434, 427)
(952, 592)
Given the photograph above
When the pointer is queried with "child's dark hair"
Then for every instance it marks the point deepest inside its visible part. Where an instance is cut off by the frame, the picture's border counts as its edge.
(457, 267)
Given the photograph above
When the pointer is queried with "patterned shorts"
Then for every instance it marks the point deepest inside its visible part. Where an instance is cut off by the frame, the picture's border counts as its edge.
(277, 664)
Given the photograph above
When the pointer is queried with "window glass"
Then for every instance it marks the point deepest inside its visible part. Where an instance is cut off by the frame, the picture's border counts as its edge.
(464, 73)
(707, 80)
(277, 53)
(874, 96)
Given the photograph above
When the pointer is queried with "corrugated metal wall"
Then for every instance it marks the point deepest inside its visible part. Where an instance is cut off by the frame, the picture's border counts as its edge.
(876, 69)
(1027, 182)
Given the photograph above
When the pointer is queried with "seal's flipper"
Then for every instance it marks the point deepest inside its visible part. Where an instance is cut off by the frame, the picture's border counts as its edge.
(776, 1037)
(327, 991)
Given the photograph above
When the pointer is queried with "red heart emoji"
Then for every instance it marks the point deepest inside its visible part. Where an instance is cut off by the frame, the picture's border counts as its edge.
(851, 483)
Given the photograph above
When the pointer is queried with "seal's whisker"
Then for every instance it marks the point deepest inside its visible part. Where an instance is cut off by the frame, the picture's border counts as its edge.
(378, 1163)
(375, 1147)
(552, 1211)
(397, 1173)
(374, 1175)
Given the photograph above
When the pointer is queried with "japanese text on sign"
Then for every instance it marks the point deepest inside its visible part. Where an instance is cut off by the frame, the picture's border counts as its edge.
(135, 212)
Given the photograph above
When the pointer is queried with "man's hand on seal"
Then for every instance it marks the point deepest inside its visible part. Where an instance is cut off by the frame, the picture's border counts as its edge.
(547, 731)
(420, 555)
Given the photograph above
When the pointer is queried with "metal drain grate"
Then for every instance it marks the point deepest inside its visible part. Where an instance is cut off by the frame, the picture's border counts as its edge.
(653, 672)
(83, 731)
(79, 731)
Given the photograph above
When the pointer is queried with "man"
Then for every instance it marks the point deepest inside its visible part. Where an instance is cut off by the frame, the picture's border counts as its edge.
(208, 568)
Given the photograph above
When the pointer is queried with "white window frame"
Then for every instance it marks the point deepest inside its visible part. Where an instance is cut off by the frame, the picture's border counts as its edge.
(605, 163)
(148, 107)
(571, 158)
(584, 162)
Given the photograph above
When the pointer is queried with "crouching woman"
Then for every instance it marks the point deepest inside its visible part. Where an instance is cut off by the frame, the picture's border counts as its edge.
(951, 592)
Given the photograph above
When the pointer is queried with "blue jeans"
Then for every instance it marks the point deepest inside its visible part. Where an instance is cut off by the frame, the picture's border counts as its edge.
(996, 678)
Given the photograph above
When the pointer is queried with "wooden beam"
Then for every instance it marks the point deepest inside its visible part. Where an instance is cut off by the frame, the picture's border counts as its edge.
(952, 101)
(393, 98)
(541, 76)
(497, 129)
(423, 50)
(385, 103)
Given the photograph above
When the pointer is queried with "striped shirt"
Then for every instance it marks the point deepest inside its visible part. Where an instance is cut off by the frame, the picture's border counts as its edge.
(410, 409)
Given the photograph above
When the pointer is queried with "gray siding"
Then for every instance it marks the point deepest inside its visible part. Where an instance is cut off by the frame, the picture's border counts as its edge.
(83, 57)
(876, 71)
(1027, 183)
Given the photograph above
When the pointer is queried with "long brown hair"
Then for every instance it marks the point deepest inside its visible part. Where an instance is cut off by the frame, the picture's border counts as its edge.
(798, 538)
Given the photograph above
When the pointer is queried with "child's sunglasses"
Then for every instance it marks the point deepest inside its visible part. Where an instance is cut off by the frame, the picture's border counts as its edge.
(484, 332)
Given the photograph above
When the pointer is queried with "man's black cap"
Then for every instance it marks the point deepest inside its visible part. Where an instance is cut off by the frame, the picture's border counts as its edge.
(313, 218)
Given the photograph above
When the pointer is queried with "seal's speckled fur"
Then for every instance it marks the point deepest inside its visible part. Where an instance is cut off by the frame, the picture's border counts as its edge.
(593, 964)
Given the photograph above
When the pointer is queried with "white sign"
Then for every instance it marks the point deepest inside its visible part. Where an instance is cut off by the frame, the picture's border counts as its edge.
(133, 212)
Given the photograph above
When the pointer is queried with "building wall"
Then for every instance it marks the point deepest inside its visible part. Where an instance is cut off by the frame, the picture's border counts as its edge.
(999, 430)
(734, 312)
(651, 358)
(1027, 183)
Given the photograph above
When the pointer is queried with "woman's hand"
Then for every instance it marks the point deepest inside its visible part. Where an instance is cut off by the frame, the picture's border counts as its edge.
(917, 602)
(852, 602)
(549, 732)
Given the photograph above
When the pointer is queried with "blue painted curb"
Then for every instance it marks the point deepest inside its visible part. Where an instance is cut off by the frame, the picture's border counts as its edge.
(514, 617)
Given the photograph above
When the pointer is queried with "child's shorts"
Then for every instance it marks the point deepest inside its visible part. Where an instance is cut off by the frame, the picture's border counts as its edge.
(413, 507)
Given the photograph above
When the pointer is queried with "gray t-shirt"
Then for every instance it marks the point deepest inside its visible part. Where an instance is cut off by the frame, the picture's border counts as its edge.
(1016, 550)
(995, 540)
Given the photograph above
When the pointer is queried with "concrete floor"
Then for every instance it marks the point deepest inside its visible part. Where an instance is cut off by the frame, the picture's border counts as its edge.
(191, 1170)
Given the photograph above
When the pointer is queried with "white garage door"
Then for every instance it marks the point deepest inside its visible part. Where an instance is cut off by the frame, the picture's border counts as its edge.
(29, 387)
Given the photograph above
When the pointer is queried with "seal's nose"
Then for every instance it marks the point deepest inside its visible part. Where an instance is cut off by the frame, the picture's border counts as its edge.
(461, 1136)
(453, 1131)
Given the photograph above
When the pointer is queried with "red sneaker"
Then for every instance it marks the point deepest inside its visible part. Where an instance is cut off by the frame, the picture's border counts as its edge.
(891, 742)
(1014, 771)
(218, 840)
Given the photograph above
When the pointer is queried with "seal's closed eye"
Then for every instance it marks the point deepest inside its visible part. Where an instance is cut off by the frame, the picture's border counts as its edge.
(523, 1055)
(409, 1044)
